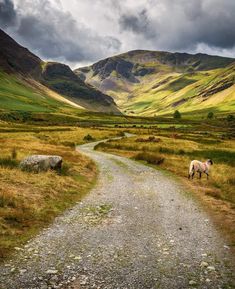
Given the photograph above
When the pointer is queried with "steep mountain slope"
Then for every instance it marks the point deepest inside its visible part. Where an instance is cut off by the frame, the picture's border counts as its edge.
(53, 84)
(60, 78)
(153, 82)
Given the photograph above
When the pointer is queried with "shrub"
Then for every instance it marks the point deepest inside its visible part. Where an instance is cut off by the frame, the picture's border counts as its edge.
(177, 114)
(8, 162)
(150, 158)
(230, 117)
(181, 152)
(210, 115)
(88, 137)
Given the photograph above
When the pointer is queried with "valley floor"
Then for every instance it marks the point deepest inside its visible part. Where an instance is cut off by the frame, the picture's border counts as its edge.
(136, 229)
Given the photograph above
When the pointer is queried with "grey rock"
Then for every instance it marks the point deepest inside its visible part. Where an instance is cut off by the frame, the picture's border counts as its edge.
(51, 271)
(39, 163)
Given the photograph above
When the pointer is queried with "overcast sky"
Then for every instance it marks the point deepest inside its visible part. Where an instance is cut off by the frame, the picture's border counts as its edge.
(80, 32)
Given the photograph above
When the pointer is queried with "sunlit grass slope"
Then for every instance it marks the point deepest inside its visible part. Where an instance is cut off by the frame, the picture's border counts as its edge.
(150, 83)
(198, 92)
(18, 95)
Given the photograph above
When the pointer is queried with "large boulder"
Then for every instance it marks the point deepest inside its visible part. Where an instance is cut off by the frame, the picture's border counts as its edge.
(40, 163)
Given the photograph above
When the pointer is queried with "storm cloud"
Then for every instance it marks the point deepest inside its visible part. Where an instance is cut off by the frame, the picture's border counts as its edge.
(7, 13)
(53, 33)
(78, 32)
(138, 23)
(184, 24)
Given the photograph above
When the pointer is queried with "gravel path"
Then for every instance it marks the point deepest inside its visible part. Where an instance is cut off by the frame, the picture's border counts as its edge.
(136, 229)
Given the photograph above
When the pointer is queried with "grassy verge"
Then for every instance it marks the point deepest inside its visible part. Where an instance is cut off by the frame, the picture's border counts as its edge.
(30, 201)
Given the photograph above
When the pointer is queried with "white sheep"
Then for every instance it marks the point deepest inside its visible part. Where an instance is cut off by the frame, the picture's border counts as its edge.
(199, 167)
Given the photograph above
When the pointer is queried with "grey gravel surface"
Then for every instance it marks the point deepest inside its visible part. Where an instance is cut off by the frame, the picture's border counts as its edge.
(136, 229)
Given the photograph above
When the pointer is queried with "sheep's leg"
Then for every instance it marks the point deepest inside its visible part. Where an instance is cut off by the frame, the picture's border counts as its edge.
(200, 175)
(193, 174)
(207, 176)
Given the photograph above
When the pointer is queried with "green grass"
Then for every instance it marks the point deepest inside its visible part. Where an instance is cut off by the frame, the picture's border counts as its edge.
(16, 95)
(179, 83)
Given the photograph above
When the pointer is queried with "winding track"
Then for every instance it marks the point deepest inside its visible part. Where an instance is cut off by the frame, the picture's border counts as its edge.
(136, 229)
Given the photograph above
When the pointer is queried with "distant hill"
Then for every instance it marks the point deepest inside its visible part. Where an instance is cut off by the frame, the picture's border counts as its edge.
(37, 85)
(155, 82)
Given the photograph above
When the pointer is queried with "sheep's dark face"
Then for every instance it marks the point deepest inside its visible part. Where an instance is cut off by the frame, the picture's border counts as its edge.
(210, 162)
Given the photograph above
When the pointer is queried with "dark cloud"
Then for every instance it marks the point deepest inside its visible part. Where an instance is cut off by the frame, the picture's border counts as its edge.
(54, 34)
(183, 24)
(138, 23)
(7, 13)
(76, 31)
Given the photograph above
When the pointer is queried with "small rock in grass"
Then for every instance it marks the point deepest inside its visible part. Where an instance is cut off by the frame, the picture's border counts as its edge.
(208, 280)
(204, 264)
(83, 280)
(51, 271)
(192, 282)
(77, 258)
(18, 249)
(211, 268)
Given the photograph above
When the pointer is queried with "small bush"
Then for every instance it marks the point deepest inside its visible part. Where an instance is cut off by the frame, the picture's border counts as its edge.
(177, 114)
(149, 139)
(88, 137)
(8, 163)
(181, 152)
(150, 158)
(230, 117)
(210, 115)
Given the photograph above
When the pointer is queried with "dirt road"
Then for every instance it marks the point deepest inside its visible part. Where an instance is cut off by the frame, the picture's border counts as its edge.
(137, 228)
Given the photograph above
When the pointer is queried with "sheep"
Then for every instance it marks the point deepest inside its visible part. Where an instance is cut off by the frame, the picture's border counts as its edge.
(199, 167)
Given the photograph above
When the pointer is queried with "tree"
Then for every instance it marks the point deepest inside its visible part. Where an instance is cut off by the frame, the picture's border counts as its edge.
(177, 114)
(210, 115)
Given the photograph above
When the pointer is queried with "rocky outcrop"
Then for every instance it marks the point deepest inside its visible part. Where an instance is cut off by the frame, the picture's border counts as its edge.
(53, 70)
(123, 68)
(39, 163)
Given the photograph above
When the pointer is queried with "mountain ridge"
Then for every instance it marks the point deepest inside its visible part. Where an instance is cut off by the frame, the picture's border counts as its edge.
(134, 77)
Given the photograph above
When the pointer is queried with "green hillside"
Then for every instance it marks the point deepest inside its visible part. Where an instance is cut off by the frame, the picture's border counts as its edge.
(15, 94)
(28, 83)
(152, 83)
